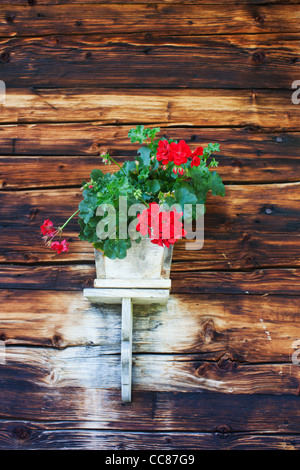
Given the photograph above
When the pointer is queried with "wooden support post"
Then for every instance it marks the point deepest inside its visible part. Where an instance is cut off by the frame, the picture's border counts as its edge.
(126, 297)
(126, 349)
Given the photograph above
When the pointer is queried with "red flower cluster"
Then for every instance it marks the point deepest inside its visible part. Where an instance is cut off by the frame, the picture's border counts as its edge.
(49, 232)
(178, 154)
(47, 228)
(164, 228)
(60, 247)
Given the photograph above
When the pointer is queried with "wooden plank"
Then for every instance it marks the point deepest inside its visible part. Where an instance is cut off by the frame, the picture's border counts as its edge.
(126, 349)
(244, 157)
(171, 19)
(284, 281)
(116, 296)
(24, 435)
(155, 411)
(191, 107)
(255, 61)
(242, 230)
(232, 327)
(204, 2)
(129, 283)
(86, 369)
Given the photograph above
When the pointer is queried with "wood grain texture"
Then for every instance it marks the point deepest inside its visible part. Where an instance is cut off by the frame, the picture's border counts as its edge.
(245, 156)
(259, 61)
(23, 435)
(155, 411)
(184, 280)
(265, 108)
(47, 370)
(166, 18)
(245, 229)
(231, 327)
(162, 2)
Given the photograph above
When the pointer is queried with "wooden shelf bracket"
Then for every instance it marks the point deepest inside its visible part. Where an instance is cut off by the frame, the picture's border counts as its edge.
(126, 297)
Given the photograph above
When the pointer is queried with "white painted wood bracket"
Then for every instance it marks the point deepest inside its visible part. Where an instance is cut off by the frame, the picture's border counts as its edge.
(126, 297)
(126, 349)
(143, 277)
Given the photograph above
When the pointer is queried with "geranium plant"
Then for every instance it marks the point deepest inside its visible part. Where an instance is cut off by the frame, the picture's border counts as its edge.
(165, 171)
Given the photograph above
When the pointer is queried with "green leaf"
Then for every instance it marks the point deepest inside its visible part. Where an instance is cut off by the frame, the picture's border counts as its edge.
(152, 186)
(96, 174)
(217, 187)
(185, 194)
(137, 135)
(129, 166)
(144, 157)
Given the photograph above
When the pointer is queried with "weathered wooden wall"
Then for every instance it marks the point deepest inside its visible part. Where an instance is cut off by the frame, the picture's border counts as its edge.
(213, 369)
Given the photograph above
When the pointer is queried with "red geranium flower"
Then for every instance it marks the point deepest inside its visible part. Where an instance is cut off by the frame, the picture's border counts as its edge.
(47, 228)
(164, 228)
(60, 247)
(180, 152)
(164, 152)
(195, 156)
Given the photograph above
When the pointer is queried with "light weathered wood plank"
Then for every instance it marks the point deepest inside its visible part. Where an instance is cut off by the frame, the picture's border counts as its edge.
(206, 107)
(86, 368)
(132, 284)
(210, 326)
(255, 61)
(116, 296)
(165, 18)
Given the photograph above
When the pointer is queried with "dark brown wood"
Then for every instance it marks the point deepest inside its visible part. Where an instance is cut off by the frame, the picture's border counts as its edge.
(162, 2)
(29, 435)
(72, 277)
(194, 61)
(251, 225)
(162, 107)
(171, 19)
(155, 411)
(227, 328)
(245, 156)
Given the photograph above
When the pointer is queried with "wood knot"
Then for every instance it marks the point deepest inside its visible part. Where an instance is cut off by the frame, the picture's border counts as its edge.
(88, 55)
(31, 2)
(226, 363)
(21, 433)
(9, 18)
(260, 19)
(246, 237)
(202, 370)
(33, 214)
(168, 440)
(258, 58)
(208, 331)
(249, 259)
(3, 337)
(148, 36)
(147, 50)
(57, 341)
(223, 430)
(5, 57)
(236, 163)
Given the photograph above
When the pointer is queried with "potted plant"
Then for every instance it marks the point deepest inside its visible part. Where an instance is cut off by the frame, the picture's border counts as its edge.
(165, 177)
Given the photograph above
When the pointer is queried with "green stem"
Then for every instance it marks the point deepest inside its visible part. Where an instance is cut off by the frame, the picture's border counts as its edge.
(61, 228)
(116, 163)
